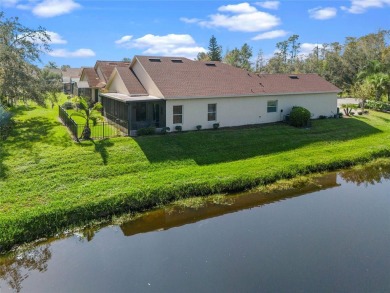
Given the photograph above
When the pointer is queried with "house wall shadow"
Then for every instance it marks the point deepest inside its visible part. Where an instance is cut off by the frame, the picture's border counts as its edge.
(226, 145)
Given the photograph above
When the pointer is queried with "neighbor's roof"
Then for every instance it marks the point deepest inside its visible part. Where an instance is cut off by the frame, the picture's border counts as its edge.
(92, 78)
(72, 72)
(178, 77)
(131, 81)
(107, 67)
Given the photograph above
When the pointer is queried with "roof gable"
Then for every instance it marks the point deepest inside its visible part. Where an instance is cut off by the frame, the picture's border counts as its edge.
(107, 67)
(133, 85)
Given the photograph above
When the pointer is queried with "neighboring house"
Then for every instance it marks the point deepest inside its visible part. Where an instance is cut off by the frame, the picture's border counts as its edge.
(171, 91)
(97, 77)
(67, 78)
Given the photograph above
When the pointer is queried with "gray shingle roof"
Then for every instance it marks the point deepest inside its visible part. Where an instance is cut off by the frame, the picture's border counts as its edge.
(131, 81)
(185, 78)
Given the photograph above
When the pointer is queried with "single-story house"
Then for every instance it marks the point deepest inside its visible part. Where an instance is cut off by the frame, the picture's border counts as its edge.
(97, 77)
(172, 91)
(68, 74)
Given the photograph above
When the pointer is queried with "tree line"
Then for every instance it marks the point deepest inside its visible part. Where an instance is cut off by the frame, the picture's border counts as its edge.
(360, 66)
(20, 78)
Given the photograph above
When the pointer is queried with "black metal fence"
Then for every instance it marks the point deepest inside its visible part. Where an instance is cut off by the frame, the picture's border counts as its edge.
(102, 129)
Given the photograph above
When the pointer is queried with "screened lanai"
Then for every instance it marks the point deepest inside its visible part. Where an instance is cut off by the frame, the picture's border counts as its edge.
(134, 112)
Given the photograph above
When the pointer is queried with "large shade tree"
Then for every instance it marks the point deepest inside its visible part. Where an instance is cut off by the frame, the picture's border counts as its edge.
(20, 49)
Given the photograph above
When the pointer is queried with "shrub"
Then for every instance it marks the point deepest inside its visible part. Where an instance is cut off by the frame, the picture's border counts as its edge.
(299, 116)
(146, 131)
(377, 105)
(164, 130)
(178, 127)
(6, 123)
(216, 125)
(67, 105)
(322, 117)
(198, 127)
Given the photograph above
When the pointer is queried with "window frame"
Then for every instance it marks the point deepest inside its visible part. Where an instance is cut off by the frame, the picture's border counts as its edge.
(214, 112)
(177, 115)
(271, 107)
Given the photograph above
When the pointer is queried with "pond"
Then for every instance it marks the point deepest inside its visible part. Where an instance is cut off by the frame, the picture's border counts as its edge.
(332, 235)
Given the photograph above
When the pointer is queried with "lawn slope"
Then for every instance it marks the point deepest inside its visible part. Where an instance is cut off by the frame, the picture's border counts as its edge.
(49, 182)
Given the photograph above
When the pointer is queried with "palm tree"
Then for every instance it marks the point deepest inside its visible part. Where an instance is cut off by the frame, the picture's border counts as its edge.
(89, 114)
(373, 67)
(380, 82)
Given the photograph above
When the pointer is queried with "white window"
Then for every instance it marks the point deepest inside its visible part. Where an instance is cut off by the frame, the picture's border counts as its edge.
(212, 112)
(177, 114)
(272, 106)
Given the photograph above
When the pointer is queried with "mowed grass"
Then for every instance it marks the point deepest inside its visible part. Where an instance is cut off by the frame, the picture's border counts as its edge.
(48, 182)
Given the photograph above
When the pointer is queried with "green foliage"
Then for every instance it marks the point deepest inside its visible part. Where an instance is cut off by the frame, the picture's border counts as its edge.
(240, 57)
(299, 116)
(178, 128)
(146, 131)
(6, 123)
(96, 179)
(215, 51)
(68, 105)
(349, 109)
(165, 130)
(198, 127)
(378, 105)
(216, 125)
(20, 48)
(89, 113)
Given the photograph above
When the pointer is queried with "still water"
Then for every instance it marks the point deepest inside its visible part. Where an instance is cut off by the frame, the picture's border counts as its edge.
(331, 236)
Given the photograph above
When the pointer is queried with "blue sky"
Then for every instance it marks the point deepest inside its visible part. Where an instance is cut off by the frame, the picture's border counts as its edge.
(85, 31)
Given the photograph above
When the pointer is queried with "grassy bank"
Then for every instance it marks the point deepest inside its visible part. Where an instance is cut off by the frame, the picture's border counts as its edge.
(48, 182)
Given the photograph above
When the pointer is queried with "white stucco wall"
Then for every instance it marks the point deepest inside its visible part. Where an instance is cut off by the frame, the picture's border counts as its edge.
(117, 85)
(146, 80)
(238, 111)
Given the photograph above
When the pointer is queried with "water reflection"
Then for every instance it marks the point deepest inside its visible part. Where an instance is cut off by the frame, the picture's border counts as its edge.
(367, 175)
(170, 217)
(15, 268)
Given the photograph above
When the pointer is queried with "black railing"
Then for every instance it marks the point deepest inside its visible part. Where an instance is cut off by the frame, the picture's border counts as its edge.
(100, 130)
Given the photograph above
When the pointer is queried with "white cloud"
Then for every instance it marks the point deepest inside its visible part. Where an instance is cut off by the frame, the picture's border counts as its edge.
(51, 8)
(168, 45)
(360, 6)
(55, 38)
(307, 48)
(238, 8)
(123, 40)
(23, 7)
(269, 4)
(190, 20)
(64, 53)
(270, 35)
(8, 3)
(238, 17)
(322, 13)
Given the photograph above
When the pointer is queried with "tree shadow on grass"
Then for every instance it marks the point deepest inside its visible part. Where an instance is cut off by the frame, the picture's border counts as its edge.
(100, 147)
(28, 132)
(384, 119)
(226, 145)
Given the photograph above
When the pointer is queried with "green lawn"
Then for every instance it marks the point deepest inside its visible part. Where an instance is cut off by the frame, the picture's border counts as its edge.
(48, 182)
